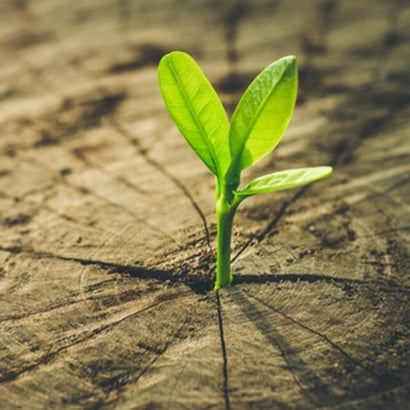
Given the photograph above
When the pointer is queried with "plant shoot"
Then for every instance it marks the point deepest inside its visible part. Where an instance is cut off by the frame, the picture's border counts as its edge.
(227, 147)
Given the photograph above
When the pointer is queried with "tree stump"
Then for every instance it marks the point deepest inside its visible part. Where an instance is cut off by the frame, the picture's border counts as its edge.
(107, 219)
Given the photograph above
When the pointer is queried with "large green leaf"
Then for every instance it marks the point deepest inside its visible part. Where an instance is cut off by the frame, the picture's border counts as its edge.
(196, 109)
(263, 113)
(279, 181)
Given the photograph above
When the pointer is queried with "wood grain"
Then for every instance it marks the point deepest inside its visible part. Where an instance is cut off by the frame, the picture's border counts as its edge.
(106, 216)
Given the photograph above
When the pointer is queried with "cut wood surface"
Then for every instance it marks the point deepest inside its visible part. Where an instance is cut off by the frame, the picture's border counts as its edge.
(107, 217)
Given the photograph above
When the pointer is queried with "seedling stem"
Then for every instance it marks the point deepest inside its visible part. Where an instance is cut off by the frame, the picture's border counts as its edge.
(225, 213)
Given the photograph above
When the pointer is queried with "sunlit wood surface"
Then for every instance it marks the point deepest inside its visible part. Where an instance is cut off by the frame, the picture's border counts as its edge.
(106, 215)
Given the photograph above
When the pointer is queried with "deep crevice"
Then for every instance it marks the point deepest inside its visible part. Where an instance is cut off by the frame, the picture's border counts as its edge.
(297, 322)
(143, 152)
(124, 296)
(224, 354)
(158, 353)
(134, 141)
(343, 149)
(281, 213)
(85, 191)
(202, 284)
(198, 283)
(304, 377)
(81, 151)
(49, 356)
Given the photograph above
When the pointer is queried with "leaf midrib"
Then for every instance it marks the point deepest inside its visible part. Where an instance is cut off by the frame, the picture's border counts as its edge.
(194, 117)
(252, 124)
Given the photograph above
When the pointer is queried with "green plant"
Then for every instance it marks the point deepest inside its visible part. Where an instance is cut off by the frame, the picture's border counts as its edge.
(256, 127)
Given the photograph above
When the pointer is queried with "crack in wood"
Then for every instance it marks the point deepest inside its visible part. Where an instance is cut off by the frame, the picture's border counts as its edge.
(388, 342)
(80, 153)
(281, 213)
(199, 284)
(131, 270)
(85, 191)
(78, 299)
(309, 383)
(337, 157)
(225, 374)
(303, 326)
(119, 388)
(135, 142)
(144, 154)
(48, 357)
(69, 218)
(195, 282)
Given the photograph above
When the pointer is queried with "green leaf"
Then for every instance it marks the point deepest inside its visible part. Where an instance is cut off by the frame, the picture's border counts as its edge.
(196, 109)
(279, 181)
(263, 113)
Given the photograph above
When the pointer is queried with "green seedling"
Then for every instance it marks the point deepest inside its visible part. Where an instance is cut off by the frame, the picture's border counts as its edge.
(256, 127)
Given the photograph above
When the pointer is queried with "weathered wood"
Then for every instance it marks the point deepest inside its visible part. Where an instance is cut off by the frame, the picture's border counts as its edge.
(107, 227)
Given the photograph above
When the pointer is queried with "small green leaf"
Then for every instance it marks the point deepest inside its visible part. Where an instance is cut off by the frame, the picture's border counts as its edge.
(279, 181)
(196, 109)
(263, 113)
